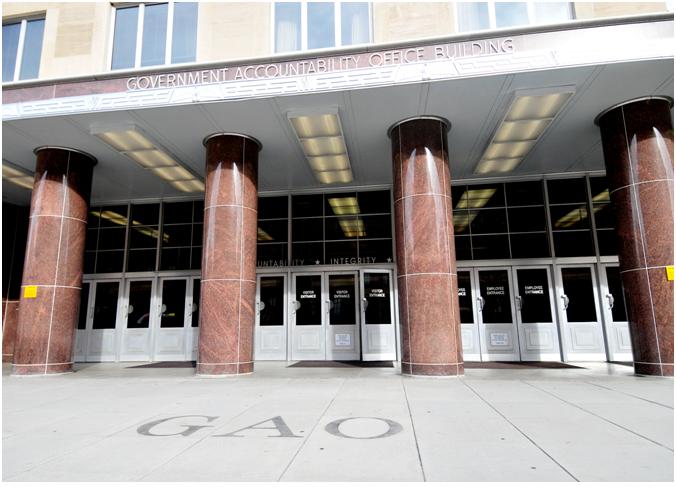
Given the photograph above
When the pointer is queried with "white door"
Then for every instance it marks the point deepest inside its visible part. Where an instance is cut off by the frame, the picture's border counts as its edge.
(83, 324)
(615, 314)
(171, 336)
(469, 324)
(270, 330)
(581, 327)
(101, 334)
(138, 316)
(193, 318)
(538, 332)
(497, 322)
(342, 325)
(308, 339)
(377, 316)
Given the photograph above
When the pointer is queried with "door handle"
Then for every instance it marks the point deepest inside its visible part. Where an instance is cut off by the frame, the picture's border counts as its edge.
(611, 301)
(365, 304)
(519, 302)
(296, 306)
(329, 306)
(481, 302)
(566, 301)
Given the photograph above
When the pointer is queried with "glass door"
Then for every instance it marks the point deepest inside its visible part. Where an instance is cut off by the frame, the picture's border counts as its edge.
(615, 315)
(469, 327)
(137, 319)
(171, 335)
(377, 316)
(102, 335)
(582, 332)
(538, 333)
(83, 324)
(193, 318)
(497, 324)
(270, 330)
(342, 328)
(308, 340)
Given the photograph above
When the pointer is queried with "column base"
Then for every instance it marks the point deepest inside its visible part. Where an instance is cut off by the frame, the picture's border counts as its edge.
(42, 369)
(222, 369)
(439, 370)
(654, 369)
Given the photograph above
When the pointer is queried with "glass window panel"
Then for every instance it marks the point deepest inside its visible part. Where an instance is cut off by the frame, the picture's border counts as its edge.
(465, 297)
(273, 207)
(93, 217)
(573, 244)
(569, 217)
(141, 260)
(84, 304)
(175, 259)
(89, 263)
(173, 303)
(463, 248)
(354, 18)
(619, 309)
(567, 190)
(177, 235)
(287, 26)
(488, 247)
(113, 216)
(10, 47)
(377, 226)
(272, 298)
(578, 286)
(472, 16)
(105, 305)
(525, 193)
(321, 27)
(142, 236)
(341, 252)
(307, 230)
(533, 288)
(198, 211)
(196, 258)
(148, 213)
(599, 188)
(527, 219)
(32, 49)
(607, 239)
(346, 227)
(197, 233)
(494, 289)
(604, 216)
(457, 193)
(112, 238)
(271, 231)
(196, 289)
(307, 206)
(551, 12)
(184, 36)
(377, 294)
(124, 41)
(510, 14)
(307, 253)
(138, 311)
(534, 245)
(154, 34)
(488, 221)
(461, 221)
(272, 255)
(484, 195)
(177, 213)
(342, 296)
(378, 251)
(308, 300)
(374, 202)
(91, 238)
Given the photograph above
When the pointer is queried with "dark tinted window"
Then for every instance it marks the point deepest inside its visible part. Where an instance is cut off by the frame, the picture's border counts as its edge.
(524, 193)
(567, 190)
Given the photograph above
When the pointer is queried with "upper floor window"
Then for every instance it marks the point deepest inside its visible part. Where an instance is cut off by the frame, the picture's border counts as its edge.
(21, 49)
(475, 16)
(150, 34)
(313, 25)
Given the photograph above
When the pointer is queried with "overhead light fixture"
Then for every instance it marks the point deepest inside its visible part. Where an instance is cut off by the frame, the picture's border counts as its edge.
(121, 220)
(528, 116)
(571, 218)
(345, 205)
(16, 175)
(352, 227)
(131, 142)
(321, 138)
(263, 236)
(475, 198)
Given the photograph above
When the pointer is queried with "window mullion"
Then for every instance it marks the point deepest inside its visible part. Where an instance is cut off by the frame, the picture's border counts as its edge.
(139, 35)
(170, 32)
(19, 50)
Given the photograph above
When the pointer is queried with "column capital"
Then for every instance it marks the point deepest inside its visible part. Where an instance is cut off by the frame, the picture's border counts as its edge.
(443, 120)
(235, 135)
(666, 98)
(67, 149)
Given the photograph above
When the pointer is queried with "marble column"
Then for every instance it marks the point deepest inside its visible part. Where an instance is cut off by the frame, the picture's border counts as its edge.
(52, 274)
(638, 144)
(427, 278)
(10, 315)
(229, 255)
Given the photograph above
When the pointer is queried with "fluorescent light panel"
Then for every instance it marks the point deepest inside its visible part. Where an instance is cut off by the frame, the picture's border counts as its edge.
(15, 175)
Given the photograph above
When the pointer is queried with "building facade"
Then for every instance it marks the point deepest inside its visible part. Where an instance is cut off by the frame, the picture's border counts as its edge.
(421, 182)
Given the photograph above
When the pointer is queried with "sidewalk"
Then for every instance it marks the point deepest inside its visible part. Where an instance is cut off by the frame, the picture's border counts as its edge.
(598, 423)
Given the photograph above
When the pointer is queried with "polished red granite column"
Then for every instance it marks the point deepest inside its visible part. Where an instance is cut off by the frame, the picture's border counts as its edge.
(52, 274)
(10, 315)
(638, 146)
(427, 279)
(229, 255)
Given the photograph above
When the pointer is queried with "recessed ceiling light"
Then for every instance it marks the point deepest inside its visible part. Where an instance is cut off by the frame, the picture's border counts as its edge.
(16, 175)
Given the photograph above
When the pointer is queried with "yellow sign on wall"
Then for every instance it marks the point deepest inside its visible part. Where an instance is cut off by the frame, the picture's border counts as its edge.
(30, 291)
(670, 272)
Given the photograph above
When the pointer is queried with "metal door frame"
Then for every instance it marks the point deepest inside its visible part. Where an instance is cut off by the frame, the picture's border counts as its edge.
(326, 297)
(475, 313)
(292, 312)
(159, 292)
(285, 311)
(607, 316)
(122, 315)
(393, 314)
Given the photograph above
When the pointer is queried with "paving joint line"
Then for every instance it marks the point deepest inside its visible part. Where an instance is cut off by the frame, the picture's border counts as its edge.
(598, 416)
(630, 395)
(415, 436)
(532, 441)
